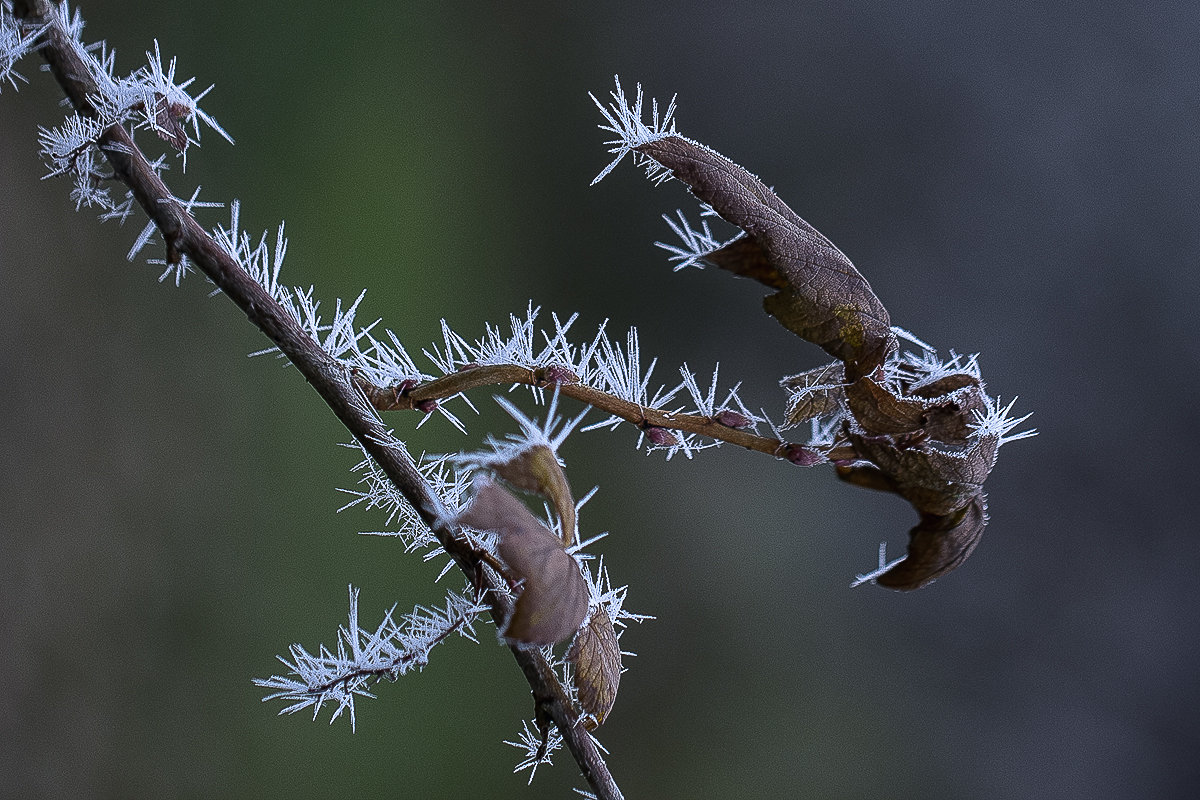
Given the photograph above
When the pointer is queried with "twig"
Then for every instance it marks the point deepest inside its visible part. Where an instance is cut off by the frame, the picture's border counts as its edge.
(721, 426)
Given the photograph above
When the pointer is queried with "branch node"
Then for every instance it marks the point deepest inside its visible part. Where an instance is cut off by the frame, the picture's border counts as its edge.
(174, 254)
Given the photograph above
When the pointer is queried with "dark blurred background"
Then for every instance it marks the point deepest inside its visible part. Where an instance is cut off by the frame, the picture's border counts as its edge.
(1013, 179)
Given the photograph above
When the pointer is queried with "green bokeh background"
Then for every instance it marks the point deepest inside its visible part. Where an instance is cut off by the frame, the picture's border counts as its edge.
(1013, 181)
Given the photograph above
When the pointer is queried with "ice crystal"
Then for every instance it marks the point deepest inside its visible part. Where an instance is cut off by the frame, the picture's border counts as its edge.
(697, 243)
(625, 120)
(363, 657)
(997, 420)
(16, 41)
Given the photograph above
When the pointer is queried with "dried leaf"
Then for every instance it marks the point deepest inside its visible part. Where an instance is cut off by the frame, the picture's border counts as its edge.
(821, 296)
(868, 476)
(944, 416)
(597, 659)
(954, 401)
(554, 595)
(879, 410)
(928, 443)
(935, 478)
(536, 469)
(937, 545)
(814, 393)
(744, 256)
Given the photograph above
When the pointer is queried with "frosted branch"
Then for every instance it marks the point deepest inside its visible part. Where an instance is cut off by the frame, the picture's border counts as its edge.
(363, 657)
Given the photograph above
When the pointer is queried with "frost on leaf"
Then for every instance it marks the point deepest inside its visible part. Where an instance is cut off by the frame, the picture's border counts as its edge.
(821, 297)
(597, 659)
(554, 595)
(927, 443)
(914, 425)
(815, 393)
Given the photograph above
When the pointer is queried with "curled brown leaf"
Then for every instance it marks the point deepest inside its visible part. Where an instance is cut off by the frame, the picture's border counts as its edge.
(536, 469)
(936, 478)
(554, 595)
(937, 545)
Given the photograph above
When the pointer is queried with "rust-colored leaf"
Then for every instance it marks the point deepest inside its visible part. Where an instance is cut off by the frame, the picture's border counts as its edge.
(597, 659)
(744, 256)
(942, 415)
(554, 595)
(821, 296)
(879, 410)
(953, 404)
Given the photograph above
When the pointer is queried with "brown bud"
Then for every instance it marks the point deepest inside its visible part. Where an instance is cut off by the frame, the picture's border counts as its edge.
(557, 373)
(662, 436)
(803, 456)
(732, 419)
(167, 118)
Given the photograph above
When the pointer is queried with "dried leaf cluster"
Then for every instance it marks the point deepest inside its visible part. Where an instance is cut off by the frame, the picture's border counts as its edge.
(902, 423)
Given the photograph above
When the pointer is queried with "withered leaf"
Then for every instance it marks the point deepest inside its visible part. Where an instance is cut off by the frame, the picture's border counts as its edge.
(937, 545)
(821, 296)
(952, 411)
(814, 393)
(943, 415)
(536, 469)
(554, 595)
(935, 478)
(744, 256)
(597, 659)
(879, 411)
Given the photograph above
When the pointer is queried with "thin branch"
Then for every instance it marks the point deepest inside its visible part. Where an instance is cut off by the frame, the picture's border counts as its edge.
(329, 377)
(423, 396)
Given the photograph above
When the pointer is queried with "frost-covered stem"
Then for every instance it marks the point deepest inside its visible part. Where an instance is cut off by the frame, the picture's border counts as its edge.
(329, 377)
(418, 396)
(380, 672)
